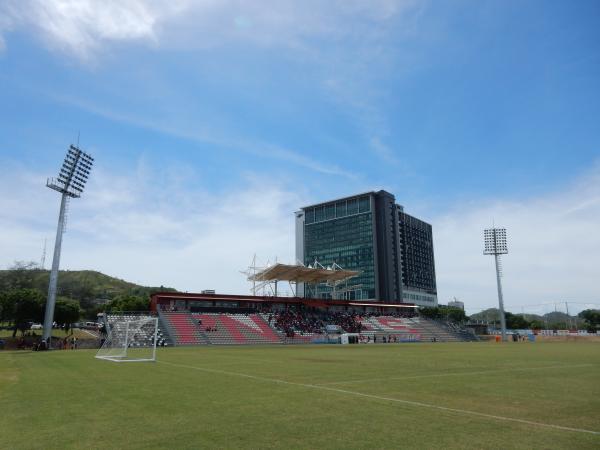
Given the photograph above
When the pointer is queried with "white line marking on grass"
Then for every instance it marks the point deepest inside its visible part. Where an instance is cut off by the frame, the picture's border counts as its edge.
(389, 399)
(453, 374)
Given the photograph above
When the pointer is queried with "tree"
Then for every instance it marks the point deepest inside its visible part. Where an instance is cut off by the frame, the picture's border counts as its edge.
(22, 306)
(431, 312)
(516, 322)
(4, 307)
(66, 312)
(444, 312)
(123, 303)
(456, 314)
(537, 325)
(592, 319)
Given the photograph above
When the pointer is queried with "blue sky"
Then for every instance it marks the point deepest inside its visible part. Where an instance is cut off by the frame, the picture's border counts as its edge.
(461, 109)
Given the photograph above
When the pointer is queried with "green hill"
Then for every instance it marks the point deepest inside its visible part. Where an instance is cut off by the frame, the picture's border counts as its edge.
(90, 288)
(551, 320)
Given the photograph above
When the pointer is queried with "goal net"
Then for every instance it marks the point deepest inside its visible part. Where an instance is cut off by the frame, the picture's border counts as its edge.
(129, 339)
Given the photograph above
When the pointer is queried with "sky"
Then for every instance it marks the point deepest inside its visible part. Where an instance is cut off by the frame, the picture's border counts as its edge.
(211, 122)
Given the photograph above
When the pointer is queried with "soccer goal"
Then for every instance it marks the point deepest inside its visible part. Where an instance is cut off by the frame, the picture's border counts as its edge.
(130, 339)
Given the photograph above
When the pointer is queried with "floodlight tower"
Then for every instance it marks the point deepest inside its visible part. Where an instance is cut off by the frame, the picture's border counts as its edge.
(70, 183)
(495, 244)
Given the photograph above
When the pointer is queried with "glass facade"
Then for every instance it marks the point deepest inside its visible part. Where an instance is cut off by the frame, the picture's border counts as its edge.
(416, 248)
(370, 233)
(337, 210)
(342, 232)
(419, 298)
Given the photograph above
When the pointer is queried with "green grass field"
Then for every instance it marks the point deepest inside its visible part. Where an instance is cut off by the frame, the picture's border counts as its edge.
(466, 395)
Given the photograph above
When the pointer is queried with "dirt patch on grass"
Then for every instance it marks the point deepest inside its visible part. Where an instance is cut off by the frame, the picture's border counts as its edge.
(318, 360)
(9, 376)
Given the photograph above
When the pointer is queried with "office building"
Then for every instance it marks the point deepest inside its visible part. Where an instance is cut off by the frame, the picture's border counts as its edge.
(371, 233)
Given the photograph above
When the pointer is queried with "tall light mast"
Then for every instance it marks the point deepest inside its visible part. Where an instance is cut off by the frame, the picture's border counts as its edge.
(495, 244)
(70, 184)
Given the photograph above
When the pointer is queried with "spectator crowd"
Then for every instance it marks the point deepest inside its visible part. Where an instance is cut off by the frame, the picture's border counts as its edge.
(304, 322)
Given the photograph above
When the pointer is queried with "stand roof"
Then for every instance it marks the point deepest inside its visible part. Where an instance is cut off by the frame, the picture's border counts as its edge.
(302, 274)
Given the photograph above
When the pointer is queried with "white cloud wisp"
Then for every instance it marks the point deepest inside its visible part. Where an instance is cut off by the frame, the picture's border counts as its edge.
(84, 27)
(127, 226)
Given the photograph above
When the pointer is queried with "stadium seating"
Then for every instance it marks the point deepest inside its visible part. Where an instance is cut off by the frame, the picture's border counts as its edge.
(187, 328)
(389, 323)
(431, 330)
(399, 328)
(295, 327)
(237, 329)
(184, 329)
(413, 329)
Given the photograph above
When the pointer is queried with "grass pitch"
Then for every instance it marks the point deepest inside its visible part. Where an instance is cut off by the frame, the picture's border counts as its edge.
(464, 395)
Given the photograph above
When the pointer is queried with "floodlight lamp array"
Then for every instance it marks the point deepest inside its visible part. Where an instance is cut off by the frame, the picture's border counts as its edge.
(74, 173)
(495, 241)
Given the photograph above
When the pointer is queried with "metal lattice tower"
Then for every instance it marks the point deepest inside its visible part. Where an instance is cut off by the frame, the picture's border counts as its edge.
(70, 184)
(495, 244)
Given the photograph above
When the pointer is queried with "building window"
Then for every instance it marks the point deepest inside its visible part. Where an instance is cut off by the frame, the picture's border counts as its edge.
(329, 212)
(364, 204)
(340, 209)
(352, 206)
(318, 214)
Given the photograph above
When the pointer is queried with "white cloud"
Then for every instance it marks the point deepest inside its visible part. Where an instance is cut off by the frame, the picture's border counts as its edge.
(342, 41)
(383, 150)
(148, 229)
(194, 134)
(83, 27)
(554, 249)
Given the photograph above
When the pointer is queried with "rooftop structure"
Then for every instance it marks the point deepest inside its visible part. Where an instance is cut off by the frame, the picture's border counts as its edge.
(267, 279)
(303, 274)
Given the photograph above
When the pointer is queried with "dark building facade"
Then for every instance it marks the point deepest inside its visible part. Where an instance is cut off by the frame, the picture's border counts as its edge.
(418, 264)
(371, 233)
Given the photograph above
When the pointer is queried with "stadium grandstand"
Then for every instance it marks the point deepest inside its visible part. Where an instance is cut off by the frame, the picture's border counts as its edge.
(199, 319)
(208, 318)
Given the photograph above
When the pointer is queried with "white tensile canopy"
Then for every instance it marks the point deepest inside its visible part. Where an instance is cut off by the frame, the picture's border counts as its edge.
(302, 274)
